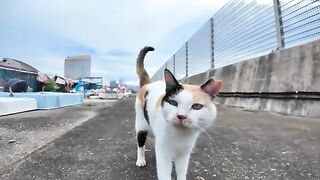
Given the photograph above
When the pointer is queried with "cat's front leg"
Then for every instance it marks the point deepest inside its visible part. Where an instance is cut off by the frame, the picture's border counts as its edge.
(164, 163)
(181, 164)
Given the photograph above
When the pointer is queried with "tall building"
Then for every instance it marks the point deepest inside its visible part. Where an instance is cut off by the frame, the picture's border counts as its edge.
(77, 66)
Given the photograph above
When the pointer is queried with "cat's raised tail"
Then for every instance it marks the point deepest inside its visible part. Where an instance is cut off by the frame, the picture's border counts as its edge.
(142, 73)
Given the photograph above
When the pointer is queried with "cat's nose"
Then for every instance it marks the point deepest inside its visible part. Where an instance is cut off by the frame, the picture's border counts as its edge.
(181, 117)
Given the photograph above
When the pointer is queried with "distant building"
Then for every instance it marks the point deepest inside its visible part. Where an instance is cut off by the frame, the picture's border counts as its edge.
(76, 67)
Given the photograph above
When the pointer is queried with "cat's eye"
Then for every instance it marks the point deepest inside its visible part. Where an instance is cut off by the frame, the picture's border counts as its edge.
(197, 106)
(172, 102)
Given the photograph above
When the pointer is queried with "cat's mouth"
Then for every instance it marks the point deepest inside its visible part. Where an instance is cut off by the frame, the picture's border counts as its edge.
(181, 123)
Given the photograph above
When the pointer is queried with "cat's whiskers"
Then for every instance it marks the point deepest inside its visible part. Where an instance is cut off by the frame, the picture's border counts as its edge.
(205, 132)
(201, 129)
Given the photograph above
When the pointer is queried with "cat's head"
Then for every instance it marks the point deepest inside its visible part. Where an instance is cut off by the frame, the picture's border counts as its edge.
(189, 106)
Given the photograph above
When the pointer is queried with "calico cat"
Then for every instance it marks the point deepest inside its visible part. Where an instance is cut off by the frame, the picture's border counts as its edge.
(175, 114)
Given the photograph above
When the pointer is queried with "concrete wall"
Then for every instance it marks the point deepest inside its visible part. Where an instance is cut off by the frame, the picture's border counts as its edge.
(292, 69)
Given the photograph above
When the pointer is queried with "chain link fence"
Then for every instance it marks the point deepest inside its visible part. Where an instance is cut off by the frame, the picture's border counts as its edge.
(243, 29)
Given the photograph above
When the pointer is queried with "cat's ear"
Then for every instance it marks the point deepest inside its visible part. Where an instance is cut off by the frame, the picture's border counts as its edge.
(170, 79)
(172, 85)
(212, 87)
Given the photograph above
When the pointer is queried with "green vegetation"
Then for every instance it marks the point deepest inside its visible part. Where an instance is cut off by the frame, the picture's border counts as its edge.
(50, 86)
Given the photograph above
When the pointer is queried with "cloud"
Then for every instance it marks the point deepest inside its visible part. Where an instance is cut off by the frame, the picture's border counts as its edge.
(43, 33)
(71, 48)
(118, 53)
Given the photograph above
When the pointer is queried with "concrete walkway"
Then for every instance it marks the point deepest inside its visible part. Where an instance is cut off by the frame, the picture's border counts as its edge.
(240, 145)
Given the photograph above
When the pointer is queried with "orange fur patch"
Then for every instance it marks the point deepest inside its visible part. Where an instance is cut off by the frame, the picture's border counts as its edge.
(143, 76)
(159, 100)
(141, 93)
(198, 95)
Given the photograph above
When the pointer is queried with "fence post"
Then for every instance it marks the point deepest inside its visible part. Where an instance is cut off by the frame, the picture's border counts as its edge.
(174, 64)
(187, 59)
(279, 23)
(212, 42)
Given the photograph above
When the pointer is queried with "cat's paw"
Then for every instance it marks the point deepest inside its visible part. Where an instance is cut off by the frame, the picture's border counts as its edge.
(141, 163)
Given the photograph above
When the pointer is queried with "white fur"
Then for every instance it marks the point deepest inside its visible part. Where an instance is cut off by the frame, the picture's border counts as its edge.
(141, 160)
(172, 142)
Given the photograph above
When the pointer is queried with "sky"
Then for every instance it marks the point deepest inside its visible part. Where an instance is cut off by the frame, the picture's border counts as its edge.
(43, 33)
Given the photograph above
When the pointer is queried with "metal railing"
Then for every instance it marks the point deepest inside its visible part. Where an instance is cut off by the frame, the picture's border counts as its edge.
(244, 29)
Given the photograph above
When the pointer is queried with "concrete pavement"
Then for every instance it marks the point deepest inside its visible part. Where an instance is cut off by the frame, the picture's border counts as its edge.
(241, 145)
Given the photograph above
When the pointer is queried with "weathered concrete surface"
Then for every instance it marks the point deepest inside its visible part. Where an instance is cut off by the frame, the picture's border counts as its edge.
(291, 69)
(240, 145)
(32, 130)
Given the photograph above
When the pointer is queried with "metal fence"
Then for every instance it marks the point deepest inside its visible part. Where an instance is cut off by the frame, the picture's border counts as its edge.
(244, 29)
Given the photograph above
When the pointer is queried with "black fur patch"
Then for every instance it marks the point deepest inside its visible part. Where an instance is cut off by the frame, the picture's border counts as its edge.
(146, 94)
(171, 91)
(145, 111)
(142, 137)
